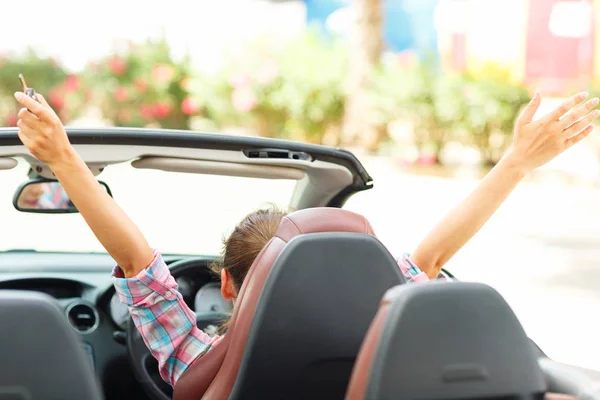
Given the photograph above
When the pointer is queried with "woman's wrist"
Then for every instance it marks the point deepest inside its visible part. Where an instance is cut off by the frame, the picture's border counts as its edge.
(515, 165)
(67, 159)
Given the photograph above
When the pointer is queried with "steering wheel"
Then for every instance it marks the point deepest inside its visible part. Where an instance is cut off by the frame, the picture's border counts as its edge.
(144, 365)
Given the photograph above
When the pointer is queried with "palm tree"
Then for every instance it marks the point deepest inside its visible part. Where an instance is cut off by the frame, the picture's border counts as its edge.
(365, 55)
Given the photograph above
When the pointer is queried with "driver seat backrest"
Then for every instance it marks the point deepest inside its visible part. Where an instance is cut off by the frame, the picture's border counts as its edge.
(213, 376)
(445, 340)
(42, 356)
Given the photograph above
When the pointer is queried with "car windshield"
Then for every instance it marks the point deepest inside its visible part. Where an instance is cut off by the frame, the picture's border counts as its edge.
(179, 213)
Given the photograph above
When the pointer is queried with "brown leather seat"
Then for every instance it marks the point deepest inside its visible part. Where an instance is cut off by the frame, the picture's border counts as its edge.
(213, 375)
(445, 340)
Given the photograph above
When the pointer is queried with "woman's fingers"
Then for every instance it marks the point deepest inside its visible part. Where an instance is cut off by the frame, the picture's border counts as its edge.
(579, 137)
(565, 107)
(575, 115)
(557, 396)
(23, 136)
(42, 100)
(38, 109)
(27, 116)
(29, 129)
(580, 125)
(530, 110)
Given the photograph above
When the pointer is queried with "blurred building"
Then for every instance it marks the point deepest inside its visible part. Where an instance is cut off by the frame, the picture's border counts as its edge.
(552, 44)
(408, 24)
(549, 44)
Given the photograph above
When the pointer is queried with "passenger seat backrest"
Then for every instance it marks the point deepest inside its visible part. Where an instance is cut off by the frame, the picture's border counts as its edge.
(314, 311)
(42, 356)
(445, 340)
(214, 374)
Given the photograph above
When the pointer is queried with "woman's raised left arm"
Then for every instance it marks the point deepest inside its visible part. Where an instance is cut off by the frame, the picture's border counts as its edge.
(534, 144)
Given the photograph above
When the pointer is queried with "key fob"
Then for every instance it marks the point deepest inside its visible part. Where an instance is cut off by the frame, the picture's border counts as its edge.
(31, 93)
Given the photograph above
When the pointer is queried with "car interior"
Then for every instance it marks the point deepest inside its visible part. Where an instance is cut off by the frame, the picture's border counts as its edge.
(288, 338)
(356, 332)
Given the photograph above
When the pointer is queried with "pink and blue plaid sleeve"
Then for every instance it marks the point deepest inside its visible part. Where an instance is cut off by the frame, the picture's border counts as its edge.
(412, 273)
(165, 322)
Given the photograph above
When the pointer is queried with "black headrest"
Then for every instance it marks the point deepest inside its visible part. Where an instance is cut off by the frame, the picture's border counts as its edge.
(314, 310)
(41, 357)
(452, 340)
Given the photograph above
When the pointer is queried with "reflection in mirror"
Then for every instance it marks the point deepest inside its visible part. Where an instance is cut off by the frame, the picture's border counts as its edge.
(44, 196)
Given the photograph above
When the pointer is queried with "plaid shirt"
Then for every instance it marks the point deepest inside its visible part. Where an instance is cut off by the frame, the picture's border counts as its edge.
(54, 197)
(168, 325)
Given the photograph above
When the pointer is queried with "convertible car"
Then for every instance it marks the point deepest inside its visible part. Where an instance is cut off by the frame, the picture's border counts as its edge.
(326, 315)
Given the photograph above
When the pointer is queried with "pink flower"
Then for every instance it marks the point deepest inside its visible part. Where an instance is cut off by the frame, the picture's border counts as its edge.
(426, 159)
(10, 120)
(56, 99)
(239, 80)
(162, 110)
(163, 73)
(244, 99)
(147, 111)
(117, 65)
(121, 94)
(189, 106)
(268, 73)
(72, 83)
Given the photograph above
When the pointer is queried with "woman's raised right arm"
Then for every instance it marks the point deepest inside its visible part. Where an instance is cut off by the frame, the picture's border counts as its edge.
(42, 132)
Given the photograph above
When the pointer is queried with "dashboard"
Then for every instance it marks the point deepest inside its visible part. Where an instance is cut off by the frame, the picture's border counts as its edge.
(82, 284)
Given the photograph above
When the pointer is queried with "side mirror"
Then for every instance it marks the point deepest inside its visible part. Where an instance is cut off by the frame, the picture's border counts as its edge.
(43, 196)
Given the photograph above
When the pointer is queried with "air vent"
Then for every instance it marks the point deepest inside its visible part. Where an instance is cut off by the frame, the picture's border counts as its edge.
(83, 317)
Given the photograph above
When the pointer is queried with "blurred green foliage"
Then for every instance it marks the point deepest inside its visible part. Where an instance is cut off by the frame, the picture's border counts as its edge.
(43, 74)
(141, 85)
(293, 89)
(313, 90)
(446, 106)
(491, 106)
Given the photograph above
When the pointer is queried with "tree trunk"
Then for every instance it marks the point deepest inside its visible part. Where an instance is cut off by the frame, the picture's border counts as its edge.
(367, 45)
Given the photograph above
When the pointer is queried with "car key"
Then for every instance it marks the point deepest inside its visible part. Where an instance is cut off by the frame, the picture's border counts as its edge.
(27, 90)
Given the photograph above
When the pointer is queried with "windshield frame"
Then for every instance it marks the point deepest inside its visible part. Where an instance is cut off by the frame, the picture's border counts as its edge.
(361, 180)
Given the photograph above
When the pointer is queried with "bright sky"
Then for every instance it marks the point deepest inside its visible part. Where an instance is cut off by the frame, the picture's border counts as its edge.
(74, 31)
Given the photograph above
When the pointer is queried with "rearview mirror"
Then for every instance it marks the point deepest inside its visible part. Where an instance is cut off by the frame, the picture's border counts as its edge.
(45, 196)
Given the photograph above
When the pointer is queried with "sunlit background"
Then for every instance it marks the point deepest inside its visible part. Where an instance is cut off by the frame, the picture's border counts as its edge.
(425, 92)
